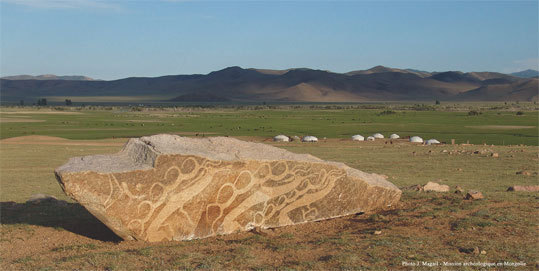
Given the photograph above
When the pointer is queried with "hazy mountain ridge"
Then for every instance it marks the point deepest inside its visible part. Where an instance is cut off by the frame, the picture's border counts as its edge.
(49, 77)
(529, 73)
(301, 85)
(382, 69)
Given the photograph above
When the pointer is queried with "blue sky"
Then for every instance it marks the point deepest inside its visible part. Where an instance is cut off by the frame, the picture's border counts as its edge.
(116, 39)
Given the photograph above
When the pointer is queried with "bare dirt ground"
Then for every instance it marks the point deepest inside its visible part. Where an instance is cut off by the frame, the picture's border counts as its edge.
(421, 228)
(6, 120)
(58, 141)
(38, 112)
(424, 228)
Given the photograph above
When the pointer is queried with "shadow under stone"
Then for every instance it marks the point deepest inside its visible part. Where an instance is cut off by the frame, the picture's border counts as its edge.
(72, 217)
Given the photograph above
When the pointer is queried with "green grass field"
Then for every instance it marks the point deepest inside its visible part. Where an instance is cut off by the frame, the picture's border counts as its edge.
(492, 126)
(430, 227)
(423, 227)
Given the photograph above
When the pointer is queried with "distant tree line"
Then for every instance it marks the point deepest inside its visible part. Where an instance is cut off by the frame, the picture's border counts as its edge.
(42, 102)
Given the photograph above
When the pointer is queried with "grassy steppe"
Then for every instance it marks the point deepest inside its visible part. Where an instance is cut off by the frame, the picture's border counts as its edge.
(494, 125)
(423, 227)
(430, 227)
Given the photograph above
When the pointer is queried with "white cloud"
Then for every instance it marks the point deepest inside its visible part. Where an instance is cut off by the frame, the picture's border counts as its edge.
(64, 4)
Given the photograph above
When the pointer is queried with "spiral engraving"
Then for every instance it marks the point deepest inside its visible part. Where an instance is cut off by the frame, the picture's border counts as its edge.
(185, 197)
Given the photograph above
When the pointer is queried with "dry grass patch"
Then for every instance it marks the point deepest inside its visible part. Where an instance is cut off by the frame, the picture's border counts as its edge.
(6, 120)
(39, 112)
(422, 227)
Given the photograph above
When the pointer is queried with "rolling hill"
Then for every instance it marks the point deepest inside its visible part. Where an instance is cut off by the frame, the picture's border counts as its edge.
(235, 84)
(517, 91)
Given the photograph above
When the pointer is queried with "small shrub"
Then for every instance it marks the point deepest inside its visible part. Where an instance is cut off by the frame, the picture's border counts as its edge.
(422, 107)
(42, 102)
(474, 113)
(387, 112)
(287, 236)
(24, 260)
(469, 222)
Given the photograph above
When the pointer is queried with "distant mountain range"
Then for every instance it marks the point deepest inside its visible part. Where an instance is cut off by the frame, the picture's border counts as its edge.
(527, 74)
(48, 77)
(235, 84)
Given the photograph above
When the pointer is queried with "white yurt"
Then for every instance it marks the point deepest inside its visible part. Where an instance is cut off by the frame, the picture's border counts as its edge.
(370, 138)
(416, 139)
(281, 138)
(309, 139)
(358, 138)
(378, 135)
(432, 141)
(394, 136)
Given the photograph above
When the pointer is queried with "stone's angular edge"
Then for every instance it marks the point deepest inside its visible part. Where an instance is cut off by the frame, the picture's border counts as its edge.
(135, 155)
(167, 187)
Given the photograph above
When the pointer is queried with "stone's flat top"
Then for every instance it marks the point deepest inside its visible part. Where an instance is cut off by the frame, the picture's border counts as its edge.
(140, 154)
(128, 159)
(221, 148)
(101, 163)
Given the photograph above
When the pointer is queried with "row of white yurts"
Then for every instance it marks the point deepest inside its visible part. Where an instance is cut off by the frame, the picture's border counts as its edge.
(358, 137)
(413, 139)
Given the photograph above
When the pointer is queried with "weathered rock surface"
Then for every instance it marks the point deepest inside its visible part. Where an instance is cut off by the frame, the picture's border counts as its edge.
(474, 195)
(524, 172)
(166, 187)
(524, 188)
(435, 187)
(415, 187)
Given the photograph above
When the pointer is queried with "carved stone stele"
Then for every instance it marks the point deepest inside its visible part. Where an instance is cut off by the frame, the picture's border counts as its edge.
(167, 187)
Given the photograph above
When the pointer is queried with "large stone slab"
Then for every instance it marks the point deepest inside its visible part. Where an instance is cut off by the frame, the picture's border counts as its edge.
(167, 187)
